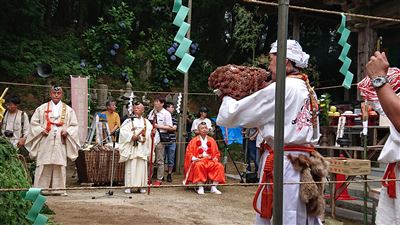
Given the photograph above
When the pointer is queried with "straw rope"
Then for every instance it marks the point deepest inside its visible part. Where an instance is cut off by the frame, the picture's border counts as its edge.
(326, 11)
(193, 185)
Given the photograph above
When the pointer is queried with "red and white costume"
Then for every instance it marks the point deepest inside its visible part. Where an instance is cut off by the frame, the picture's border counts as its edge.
(202, 161)
(389, 198)
(258, 110)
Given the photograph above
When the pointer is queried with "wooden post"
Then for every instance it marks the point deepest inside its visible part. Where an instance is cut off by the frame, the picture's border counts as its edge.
(183, 119)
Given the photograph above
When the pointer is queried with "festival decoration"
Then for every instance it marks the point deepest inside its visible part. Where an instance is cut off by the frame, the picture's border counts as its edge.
(184, 43)
(178, 103)
(38, 200)
(345, 33)
(130, 105)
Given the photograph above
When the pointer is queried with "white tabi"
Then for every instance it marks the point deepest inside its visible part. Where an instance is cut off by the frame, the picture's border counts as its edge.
(389, 208)
(258, 110)
(13, 122)
(49, 151)
(135, 154)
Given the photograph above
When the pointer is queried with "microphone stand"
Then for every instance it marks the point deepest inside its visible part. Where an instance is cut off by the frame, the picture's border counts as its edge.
(110, 192)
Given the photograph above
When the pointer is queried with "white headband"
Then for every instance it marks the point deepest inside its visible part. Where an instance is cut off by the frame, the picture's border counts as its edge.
(294, 53)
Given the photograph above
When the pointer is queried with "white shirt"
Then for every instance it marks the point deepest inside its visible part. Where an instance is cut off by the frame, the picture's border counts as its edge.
(163, 118)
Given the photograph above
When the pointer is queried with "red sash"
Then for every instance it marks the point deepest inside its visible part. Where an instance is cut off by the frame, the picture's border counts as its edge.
(390, 185)
(268, 177)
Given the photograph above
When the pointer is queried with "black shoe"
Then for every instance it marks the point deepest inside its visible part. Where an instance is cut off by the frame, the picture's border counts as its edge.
(169, 178)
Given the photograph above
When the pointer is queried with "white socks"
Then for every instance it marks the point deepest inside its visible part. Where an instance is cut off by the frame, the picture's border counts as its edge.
(200, 191)
(214, 190)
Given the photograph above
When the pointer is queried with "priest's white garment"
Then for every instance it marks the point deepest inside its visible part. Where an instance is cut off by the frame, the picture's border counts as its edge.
(135, 155)
(49, 151)
(258, 110)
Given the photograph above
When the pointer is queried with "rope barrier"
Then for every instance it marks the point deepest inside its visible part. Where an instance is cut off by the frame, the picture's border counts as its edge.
(148, 92)
(111, 90)
(192, 185)
(326, 11)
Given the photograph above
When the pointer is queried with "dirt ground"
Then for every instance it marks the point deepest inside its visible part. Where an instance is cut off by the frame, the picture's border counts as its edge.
(162, 206)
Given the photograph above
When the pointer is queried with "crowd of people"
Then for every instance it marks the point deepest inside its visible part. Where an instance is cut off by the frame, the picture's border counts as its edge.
(51, 136)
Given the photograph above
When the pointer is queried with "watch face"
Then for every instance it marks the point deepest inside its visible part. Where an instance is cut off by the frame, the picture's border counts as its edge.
(378, 81)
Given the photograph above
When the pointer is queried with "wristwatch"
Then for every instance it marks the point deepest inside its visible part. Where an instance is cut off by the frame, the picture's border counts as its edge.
(379, 81)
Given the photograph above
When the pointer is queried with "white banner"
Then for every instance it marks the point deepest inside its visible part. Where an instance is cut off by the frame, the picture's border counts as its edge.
(79, 99)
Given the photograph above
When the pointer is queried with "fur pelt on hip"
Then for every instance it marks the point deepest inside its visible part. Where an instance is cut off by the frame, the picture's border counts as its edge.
(312, 169)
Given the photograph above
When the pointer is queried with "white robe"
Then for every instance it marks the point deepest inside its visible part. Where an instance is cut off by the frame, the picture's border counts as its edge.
(389, 208)
(258, 110)
(49, 151)
(135, 157)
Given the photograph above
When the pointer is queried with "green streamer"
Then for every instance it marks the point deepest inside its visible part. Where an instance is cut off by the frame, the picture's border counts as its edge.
(38, 200)
(182, 32)
(180, 16)
(184, 43)
(177, 5)
(183, 47)
(185, 63)
(344, 69)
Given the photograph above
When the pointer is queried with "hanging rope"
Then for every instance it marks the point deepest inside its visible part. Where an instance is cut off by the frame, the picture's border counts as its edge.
(326, 11)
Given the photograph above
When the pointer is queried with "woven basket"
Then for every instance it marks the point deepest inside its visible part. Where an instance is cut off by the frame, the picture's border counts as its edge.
(94, 166)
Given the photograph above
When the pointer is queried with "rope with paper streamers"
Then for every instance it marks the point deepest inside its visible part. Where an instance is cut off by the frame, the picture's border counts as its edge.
(345, 33)
(38, 200)
(130, 106)
(184, 43)
(178, 103)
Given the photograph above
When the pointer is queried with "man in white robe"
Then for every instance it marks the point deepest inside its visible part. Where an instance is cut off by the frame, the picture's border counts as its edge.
(389, 198)
(301, 127)
(52, 138)
(134, 146)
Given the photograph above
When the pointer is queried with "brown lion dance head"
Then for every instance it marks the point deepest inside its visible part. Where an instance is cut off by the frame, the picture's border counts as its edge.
(237, 81)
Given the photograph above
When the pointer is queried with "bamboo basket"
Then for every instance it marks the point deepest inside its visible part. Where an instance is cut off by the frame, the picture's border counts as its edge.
(94, 166)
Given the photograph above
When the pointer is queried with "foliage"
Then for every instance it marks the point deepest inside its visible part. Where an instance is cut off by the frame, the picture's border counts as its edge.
(12, 175)
(108, 46)
(246, 30)
(21, 16)
(153, 47)
(312, 71)
(324, 104)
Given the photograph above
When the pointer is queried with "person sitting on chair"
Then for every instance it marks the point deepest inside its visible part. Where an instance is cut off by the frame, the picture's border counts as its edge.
(202, 161)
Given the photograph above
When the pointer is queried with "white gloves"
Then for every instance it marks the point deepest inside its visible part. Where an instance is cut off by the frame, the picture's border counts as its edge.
(194, 159)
